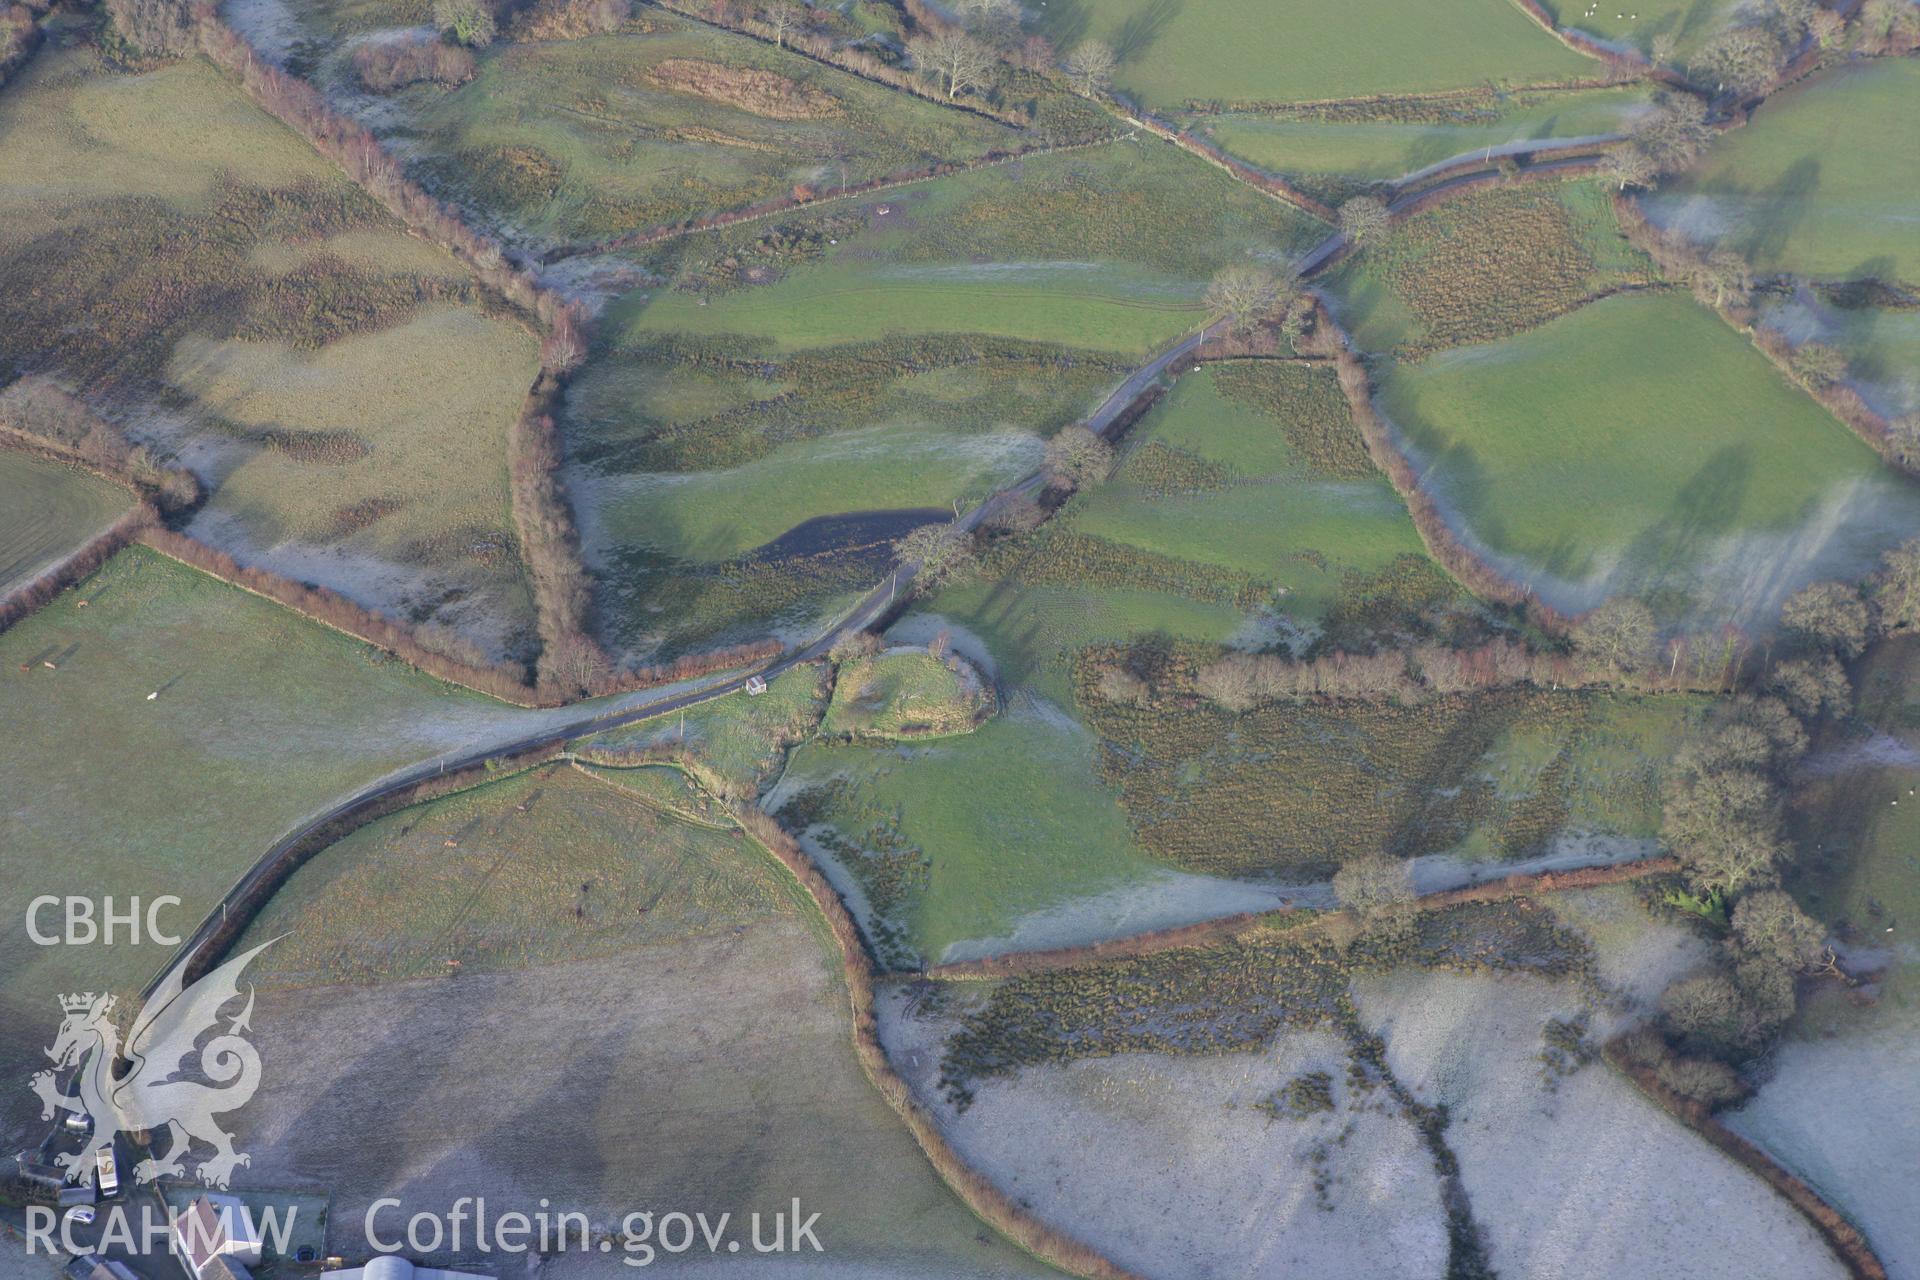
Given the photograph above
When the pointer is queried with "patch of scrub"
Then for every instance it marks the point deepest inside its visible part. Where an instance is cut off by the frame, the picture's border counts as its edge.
(1575, 1175)
(1169, 1165)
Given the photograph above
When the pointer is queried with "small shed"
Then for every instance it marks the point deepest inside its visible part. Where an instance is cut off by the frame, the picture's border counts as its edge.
(756, 685)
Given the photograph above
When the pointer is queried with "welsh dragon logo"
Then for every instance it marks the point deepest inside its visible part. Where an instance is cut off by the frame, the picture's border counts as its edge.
(163, 1039)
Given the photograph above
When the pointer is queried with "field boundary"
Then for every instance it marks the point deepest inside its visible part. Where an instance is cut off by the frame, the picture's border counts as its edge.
(44, 587)
(1014, 964)
(1675, 255)
(1446, 547)
(336, 612)
(804, 47)
(1846, 1241)
(777, 205)
(260, 883)
(549, 542)
(990, 1204)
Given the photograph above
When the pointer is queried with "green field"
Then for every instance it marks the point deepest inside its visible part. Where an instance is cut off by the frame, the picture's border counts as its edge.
(1804, 188)
(959, 840)
(898, 356)
(1105, 249)
(1242, 51)
(261, 718)
(1641, 445)
(331, 376)
(1313, 151)
(1689, 22)
(558, 864)
(1862, 823)
(1312, 531)
(46, 510)
(585, 139)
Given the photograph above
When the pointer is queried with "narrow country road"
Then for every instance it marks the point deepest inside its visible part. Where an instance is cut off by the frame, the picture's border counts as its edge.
(872, 606)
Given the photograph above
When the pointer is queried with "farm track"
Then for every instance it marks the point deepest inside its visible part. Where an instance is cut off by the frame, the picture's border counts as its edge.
(878, 602)
(871, 608)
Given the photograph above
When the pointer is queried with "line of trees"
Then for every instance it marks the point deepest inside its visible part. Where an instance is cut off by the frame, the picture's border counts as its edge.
(38, 413)
(34, 594)
(1723, 819)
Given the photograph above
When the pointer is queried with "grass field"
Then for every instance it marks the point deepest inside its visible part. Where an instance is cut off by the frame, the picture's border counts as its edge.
(1689, 22)
(241, 307)
(46, 510)
(1804, 188)
(906, 693)
(549, 866)
(584, 139)
(1577, 478)
(1318, 153)
(883, 361)
(928, 863)
(1484, 266)
(1244, 52)
(261, 718)
(1298, 504)
(1105, 249)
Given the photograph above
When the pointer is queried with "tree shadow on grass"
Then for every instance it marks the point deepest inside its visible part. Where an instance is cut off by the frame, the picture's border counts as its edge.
(1666, 557)
(1779, 210)
(1144, 27)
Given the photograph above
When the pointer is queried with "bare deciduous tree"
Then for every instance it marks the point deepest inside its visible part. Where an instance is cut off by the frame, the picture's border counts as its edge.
(961, 62)
(1830, 614)
(1379, 890)
(1629, 165)
(1896, 588)
(157, 28)
(1817, 364)
(1365, 220)
(1247, 295)
(783, 18)
(1740, 60)
(945, 556)
(471, 22)
(1077, 458)
(1617, 636)
(1090, 66)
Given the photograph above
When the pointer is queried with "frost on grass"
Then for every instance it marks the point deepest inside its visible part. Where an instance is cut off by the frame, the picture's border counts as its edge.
(1574, 1174)
(1843, 1112)
(1170, 1165)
